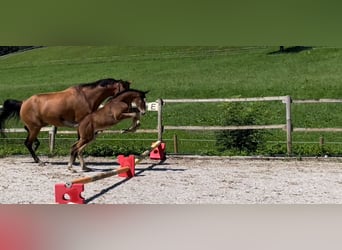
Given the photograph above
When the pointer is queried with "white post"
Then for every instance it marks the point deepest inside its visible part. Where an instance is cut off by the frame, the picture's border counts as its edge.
(160, 120)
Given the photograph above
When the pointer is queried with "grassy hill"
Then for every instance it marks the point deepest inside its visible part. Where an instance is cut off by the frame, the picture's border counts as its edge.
(187, 72)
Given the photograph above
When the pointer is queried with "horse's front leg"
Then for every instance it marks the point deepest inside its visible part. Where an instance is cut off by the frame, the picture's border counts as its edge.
(135, 122)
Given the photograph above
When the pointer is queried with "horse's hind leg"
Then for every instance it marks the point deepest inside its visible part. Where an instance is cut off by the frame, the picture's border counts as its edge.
(35, 143)
(32, 138)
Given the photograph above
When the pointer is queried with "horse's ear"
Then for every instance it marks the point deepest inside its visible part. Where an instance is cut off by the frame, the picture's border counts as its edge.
(145, 92)
(127, 84)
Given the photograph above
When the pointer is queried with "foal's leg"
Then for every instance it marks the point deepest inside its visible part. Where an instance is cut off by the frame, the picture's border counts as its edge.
(80, 156)
(73, 154)
(76, 150)
(32, 138)
(135, 121)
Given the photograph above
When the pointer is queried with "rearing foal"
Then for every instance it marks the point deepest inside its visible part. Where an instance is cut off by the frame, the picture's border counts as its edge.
(62, 109)
(114, 111)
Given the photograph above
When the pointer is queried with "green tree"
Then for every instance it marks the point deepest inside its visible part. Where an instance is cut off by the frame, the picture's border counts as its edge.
(243, 141)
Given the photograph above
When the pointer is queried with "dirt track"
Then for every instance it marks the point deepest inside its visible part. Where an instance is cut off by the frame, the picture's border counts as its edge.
(180, 181)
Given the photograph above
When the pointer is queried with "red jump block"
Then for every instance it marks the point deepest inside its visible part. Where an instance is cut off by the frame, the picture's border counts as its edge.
(128, 161)
(159, 152)
(72, 194)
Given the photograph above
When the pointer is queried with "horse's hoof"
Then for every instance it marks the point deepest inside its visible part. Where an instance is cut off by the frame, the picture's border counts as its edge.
(86, 169)
(72, 170)
(42, 164)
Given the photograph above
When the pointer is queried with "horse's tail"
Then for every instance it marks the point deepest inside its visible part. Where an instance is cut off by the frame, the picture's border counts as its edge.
(10, 109)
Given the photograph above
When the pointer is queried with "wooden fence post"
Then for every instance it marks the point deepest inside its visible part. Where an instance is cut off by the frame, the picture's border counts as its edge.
(288, 125)
(321, 141)
(52, 138)
(175, 144)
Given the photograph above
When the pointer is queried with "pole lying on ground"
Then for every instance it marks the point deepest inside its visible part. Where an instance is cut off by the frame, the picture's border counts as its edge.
(88, 179)
(75, 187)
(122, 169)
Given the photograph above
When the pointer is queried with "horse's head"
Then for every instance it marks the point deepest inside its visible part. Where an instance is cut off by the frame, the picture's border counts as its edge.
(121, 86)
(114, 87)
(140, 101)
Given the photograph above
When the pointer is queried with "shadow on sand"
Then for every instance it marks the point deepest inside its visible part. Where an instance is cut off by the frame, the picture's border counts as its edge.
(139, 172)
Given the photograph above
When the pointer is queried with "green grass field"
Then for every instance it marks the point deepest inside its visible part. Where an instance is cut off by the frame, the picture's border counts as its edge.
(186, 72)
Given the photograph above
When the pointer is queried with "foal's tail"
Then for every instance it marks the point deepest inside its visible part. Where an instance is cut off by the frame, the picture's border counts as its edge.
(10, 109)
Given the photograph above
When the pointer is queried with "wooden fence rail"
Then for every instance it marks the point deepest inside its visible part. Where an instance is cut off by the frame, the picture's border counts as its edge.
(215, 128)
(252, 99)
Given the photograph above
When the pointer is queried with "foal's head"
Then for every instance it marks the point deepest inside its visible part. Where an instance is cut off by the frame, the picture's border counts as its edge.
(140, 100)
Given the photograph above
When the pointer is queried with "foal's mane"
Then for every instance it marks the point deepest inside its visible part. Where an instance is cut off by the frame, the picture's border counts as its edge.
(143, 93)
(130, 90)
(102, 83)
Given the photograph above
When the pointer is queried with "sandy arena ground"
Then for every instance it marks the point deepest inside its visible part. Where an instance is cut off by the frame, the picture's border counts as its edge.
(180, 180)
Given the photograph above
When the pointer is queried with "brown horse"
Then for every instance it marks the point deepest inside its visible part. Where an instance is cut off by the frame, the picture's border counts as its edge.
(114, 111)
(64, 108)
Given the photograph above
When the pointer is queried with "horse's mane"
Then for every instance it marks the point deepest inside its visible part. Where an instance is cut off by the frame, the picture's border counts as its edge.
(102, 83)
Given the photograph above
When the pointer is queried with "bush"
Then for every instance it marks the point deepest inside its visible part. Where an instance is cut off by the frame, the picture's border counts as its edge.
(104, 150)
(243, 142)
(276, 149)
(315, 150)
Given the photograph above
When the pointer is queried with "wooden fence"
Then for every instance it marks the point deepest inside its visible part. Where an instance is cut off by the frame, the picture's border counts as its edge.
(157, 106)
(286, 126)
